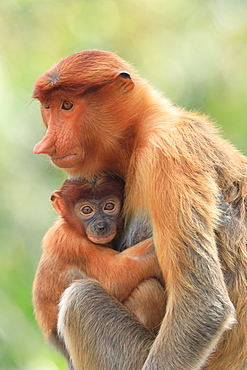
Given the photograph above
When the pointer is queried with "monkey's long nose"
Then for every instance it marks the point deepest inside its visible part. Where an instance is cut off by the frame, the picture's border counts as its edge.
(45, 146)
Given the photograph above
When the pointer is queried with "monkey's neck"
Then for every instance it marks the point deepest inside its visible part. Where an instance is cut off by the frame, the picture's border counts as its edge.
(115, 162)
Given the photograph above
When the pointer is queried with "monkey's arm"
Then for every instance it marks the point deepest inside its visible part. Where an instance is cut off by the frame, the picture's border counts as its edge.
(51, 279)
(99, 332)
(118, 273)
(198, 307)
(121, 273)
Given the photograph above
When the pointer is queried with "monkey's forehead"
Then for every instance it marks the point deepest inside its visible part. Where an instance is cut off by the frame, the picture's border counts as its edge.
(97, 188)
(79, 72)
(88, 195)
(98, 201)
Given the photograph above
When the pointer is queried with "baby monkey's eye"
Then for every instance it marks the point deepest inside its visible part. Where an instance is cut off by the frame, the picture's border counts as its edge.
(86, 210)
(109, 206)
(67, 105)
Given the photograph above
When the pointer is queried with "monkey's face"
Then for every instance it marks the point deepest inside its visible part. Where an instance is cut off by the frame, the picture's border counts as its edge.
(63, 141)
(89, 104)
(99, 218)
(85, 134)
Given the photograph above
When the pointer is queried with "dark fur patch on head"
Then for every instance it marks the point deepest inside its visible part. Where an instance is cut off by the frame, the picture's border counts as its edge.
(53, 77)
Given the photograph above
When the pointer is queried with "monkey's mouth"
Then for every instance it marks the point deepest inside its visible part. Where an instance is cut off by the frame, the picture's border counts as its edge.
(64, 161)
(102, 239)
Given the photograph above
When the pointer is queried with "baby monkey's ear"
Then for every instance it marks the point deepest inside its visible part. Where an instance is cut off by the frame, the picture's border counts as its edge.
(57, 202)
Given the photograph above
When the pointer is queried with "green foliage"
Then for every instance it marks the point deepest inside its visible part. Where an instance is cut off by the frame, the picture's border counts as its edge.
(193, 50)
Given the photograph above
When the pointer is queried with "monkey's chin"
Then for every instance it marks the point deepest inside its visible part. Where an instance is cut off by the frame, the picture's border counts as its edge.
(67, 161)
(102, 239)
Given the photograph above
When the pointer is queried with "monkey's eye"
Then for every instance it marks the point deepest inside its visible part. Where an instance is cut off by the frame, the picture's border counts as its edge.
(86, 210)
(46, 106)
(67, 105)
(109, 206)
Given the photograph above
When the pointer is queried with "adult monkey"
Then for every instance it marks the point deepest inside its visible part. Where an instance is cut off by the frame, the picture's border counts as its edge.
(101, 116)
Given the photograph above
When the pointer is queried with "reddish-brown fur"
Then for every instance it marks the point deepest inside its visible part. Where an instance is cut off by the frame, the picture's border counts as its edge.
(69, 255)
(174, 164)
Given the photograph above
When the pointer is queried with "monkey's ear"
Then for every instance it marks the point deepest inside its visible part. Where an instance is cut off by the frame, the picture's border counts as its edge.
(57, 202)
(124, 80)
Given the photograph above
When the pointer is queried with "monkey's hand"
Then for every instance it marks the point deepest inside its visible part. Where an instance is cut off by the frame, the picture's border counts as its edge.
(136, 263)
(140, 249)
(145, 255)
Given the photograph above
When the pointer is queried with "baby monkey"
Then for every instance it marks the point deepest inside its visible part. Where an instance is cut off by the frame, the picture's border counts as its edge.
(93, 208)
(84, 243)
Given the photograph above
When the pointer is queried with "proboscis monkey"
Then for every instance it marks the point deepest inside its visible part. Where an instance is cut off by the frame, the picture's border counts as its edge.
(77, 246)
(101, 116)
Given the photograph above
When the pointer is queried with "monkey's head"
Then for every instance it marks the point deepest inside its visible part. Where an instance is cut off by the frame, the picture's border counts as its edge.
(89, 104)
(93, 208)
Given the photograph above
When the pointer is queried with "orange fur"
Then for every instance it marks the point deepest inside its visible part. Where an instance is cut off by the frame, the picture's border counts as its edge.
(69, 255)
(66, 257)
(174, 163)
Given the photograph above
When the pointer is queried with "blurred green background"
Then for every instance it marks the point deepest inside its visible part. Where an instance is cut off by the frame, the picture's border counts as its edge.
(194, 51)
